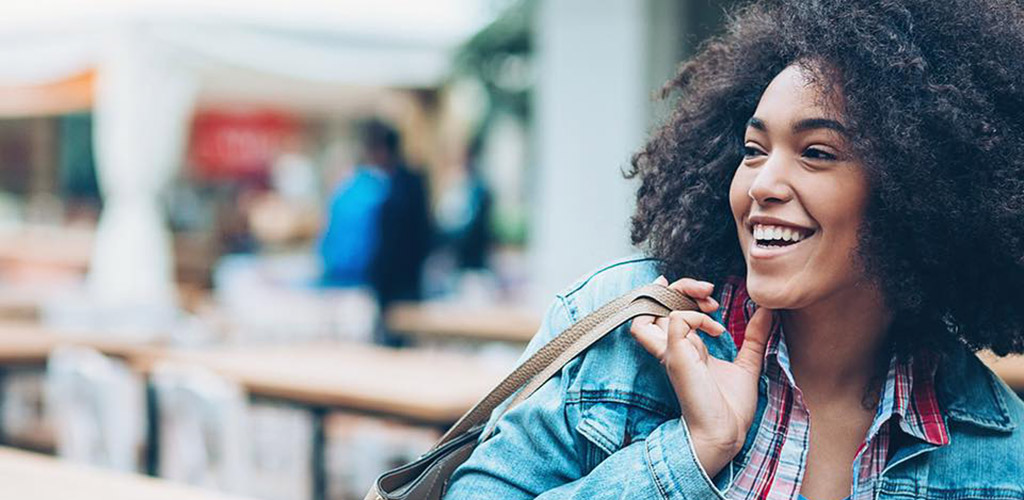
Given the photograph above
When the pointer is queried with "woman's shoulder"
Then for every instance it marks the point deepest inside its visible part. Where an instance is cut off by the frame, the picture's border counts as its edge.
(589, 292)
(985, 420)
(607, 282)
(611, 365)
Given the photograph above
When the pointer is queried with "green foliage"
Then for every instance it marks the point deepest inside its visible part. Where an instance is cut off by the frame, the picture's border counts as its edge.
(500, 57)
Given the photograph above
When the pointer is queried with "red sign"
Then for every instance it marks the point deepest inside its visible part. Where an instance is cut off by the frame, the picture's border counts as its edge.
(238, 145)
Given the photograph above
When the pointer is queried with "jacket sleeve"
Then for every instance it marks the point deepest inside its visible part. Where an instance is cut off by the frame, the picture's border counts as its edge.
(536, 452)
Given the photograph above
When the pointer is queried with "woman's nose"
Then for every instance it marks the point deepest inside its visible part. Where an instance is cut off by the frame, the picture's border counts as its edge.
(771, 182)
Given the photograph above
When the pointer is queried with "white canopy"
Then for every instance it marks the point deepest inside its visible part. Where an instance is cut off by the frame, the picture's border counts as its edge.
(375, 42)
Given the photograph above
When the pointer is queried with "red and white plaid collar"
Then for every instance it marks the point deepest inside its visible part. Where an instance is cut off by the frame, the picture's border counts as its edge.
(911, 382)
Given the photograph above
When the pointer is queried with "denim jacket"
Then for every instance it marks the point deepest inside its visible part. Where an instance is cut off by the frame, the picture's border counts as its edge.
(609, 426)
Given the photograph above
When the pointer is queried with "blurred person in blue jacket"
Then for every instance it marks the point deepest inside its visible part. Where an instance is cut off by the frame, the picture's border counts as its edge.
(350, 241)
(379, 229)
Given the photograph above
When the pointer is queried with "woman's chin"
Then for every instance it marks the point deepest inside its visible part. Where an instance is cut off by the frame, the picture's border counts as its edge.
(770, 295)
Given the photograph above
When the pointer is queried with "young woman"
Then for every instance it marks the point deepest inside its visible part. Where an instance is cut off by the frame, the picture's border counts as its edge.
(848, 176)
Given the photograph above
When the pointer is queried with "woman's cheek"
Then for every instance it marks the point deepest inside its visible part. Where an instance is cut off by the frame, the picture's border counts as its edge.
(739, 200)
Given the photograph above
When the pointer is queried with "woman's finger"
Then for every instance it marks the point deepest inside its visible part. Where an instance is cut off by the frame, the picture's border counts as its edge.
(675, 339)
(693, 288)
(707, 305)
(642, 321)
(699, 291)
(755, 339)
(679, 350)
(698, 344)
(653, 339)
(662, 323)
(649, 335)
(697, 321)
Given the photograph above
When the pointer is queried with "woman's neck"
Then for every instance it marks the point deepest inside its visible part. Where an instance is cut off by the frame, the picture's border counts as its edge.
(835, 345)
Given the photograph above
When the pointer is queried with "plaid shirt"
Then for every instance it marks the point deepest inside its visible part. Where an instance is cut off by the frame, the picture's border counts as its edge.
(775, 465)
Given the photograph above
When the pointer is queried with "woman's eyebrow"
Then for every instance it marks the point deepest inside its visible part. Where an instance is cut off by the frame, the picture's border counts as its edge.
(757, 123)
(815, 123)
(802, 125)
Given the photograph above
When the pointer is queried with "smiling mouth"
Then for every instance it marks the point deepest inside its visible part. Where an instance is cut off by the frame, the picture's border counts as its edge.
(773, 236)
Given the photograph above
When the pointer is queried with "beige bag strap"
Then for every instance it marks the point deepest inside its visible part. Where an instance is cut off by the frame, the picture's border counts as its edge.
(653, 299)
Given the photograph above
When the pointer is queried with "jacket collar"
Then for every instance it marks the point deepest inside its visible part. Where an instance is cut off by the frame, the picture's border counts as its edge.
(970, 393)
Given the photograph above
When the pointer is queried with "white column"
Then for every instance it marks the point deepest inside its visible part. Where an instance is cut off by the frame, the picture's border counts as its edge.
(598, 64)
(143, 104)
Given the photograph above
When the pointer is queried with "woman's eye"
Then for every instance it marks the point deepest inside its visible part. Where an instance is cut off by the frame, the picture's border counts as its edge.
(818, 154)
(750, 151)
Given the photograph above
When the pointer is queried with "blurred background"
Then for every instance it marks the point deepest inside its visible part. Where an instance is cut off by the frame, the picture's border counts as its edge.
(273, 248)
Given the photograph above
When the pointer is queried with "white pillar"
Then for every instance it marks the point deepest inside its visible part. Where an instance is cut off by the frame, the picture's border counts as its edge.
(143, 103)
(598, 64)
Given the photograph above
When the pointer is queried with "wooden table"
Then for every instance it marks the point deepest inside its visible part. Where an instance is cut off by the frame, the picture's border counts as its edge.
(23, 301)
(421, 387)
(16, 304)
(26, 343)
(38, 477)
(451, 319)
(425, 387)
(49, 247)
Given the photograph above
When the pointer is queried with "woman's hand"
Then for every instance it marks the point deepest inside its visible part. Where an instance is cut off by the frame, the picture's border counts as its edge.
(717, 398)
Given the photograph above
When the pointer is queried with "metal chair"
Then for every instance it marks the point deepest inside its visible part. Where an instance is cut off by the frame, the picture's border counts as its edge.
(203, 428)
(98, 408)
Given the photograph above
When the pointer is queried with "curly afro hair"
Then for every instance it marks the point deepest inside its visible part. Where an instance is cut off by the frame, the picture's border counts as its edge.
(933, 97)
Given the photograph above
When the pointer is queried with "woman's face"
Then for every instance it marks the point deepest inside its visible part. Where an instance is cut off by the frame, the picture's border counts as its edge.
(798, 198)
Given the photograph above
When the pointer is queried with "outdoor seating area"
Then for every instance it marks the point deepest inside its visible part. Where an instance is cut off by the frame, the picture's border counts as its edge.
(134, 406)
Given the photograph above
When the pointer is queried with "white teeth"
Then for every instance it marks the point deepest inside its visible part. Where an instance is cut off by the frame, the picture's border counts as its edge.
(764, 232)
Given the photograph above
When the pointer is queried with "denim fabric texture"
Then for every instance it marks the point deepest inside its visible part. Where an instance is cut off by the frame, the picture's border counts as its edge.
(609, 426)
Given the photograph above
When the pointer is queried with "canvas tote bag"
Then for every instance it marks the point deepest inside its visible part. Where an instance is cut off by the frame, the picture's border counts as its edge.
(427, 477)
